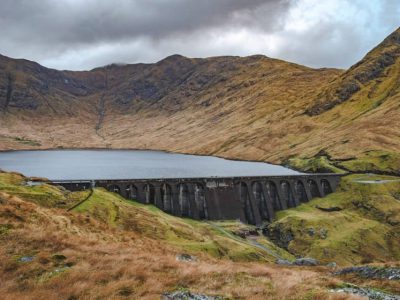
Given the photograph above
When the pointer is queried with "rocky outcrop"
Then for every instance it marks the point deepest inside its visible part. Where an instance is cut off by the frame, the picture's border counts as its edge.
(369, 293)
(186, 257)
(306, 261)
(371, 272)
(302, 261)
(187, 295)
(279, 235)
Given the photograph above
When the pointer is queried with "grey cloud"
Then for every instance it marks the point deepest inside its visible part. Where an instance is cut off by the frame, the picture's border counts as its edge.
(76, 34)
(75, 22)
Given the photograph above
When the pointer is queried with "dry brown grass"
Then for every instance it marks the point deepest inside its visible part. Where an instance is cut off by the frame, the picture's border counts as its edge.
(108, 263)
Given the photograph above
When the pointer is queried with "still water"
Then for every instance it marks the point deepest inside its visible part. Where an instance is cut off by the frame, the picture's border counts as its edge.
(129, 164)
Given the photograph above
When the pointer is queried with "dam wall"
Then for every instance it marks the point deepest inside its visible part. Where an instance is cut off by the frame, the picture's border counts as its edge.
(250, 199)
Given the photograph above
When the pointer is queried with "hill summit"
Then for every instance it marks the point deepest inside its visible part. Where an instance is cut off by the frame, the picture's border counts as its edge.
(255, 108)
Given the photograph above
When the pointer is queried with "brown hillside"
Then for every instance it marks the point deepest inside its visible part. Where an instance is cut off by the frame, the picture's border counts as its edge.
(253, 107)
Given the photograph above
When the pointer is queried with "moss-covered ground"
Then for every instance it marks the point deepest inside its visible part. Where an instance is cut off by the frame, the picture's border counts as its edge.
(190, 235)
(42, 194)
(364, 228)
(379, 162)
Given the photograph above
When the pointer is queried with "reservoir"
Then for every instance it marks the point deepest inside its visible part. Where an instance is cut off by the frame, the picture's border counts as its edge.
(130, 164)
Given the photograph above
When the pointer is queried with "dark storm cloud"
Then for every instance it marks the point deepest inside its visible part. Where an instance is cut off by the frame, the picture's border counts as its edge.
(81, 34)
(68, 23)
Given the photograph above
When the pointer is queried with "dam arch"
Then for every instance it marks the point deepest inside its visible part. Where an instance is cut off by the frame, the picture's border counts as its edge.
(287, 193)
(326, 187)
(149, 193)
(166, 197)
(313, 187)
(272, 191)
(261, 200)
(132, 192)
(114, 188)
(184, 201)
(245, 202)
(200, 200)
(301, 192)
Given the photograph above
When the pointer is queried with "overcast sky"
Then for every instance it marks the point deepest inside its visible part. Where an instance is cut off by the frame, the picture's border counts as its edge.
(83, 34)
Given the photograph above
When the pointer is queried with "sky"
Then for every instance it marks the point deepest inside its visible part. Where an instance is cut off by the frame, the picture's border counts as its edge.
(84, 34)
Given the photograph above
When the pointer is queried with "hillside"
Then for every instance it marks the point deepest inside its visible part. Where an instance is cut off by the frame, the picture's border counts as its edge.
(109, 247)
(254, 108)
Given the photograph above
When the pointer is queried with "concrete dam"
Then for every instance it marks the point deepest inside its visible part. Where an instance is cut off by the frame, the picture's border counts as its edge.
(250, 199)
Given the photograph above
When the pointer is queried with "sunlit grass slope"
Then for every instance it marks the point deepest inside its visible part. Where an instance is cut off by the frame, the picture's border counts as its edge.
(186, 234)
(147, 220)
(42, 194)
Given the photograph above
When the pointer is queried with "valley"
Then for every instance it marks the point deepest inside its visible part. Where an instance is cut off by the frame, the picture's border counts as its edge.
(233, 107)
(96, 244)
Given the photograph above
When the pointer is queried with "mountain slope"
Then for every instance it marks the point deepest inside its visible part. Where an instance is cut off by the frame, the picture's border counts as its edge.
(91, 252)
(110, 247)
(376, 77)
(361, 111)
(254, 108)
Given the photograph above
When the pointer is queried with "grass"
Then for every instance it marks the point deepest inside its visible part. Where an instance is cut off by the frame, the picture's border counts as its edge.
(374, 161)
(44, 194)
(131, 252)
(366, 229)
(317, 164)
(110, 247)
(192, 236)
(381, 162)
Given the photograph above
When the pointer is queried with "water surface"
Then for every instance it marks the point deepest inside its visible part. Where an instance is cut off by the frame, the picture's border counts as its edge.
(129, 164)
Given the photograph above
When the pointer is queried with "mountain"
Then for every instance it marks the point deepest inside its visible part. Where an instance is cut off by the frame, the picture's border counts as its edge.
(255, 108)
(375, 77)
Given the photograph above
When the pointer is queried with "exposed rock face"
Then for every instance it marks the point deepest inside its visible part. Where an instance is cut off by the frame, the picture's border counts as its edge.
(306, 261)
(283, 262)
(303, 261)
(186, 295)
(170, 83)
(367, 292)
(279, 235)
(372, 272)
(186, 257)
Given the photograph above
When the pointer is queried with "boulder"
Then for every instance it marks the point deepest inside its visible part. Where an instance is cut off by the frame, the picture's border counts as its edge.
(306, 261)
(186, 257)
(283, 262)
(187, 295)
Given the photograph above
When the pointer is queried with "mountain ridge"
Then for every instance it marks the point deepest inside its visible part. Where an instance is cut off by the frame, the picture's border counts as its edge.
(254, 108)
(371, 67)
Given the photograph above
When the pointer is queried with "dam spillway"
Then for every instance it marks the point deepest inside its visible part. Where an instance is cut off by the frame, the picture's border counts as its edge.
(251, 199)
